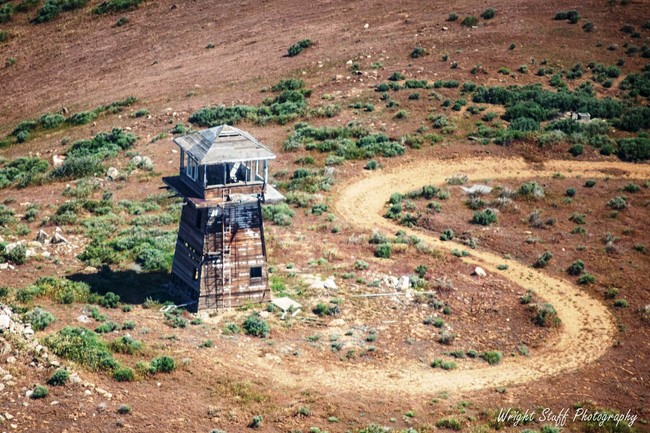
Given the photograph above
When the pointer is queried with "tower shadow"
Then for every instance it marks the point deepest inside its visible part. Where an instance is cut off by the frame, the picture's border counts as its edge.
(132, 287)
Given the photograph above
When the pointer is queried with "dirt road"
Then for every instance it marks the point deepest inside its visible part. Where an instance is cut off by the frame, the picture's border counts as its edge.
(587, 330)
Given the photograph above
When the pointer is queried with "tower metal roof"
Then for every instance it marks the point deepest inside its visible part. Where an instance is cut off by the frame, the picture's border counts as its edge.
(222, 144)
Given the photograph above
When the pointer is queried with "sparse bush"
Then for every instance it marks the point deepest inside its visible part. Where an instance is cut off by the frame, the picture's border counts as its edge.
(83, 346)
(587, 278)
(590, 183)
(123, 374)
(576, 149)
(52, 8)
(543, 259)
(488, 13)
(109, 300)
(162, 364)
(449, 423)
(492, 357)
(256, 326)
(469, 21)
(576, 268)
(298, 47)
(39, 318)
(546, 316)
(279, 214)
(418, 52)
(112, 6)
(59, 377)
(452, 17)
(447, 235)
(372, 165)
(323, 309)
(618, 203)
(484, 217)
(570, 192)
(621, 303)
(383, 251)
(126, 344)
(39, 392)
(446, 337)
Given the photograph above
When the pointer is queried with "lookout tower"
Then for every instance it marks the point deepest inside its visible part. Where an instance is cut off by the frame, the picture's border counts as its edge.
(220, 257)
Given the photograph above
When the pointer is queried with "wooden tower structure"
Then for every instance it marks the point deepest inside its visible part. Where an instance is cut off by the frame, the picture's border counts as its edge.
(220, 257)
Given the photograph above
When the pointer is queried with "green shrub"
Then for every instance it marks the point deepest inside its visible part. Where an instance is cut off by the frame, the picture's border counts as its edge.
(257, 421)
(543, 259)
(17, 255)
(590, 183)
(123, 374)
(109, 300)
(525, 124)
(576, 268)
(107, 327)
(162, 364)
(576, 149)
(586, 279)
(452, 17)
(6, 12)
(449, 423)
(570, 192)
(59, 377)
(279, 214)
(632, 188)
(39, 318)
(383, 251)
(371, 165)
(112, 6)
(124, 409)
(129, 324)
(446, 337)
(546, 316)
(621, 303)
(573, 16)
(469, 21)
(52, 8)
(418, 52)
(488, 13)
(50, 120)
(256, 326)
(530, 190)
(484, 217)
(83, 346)
(126, 344)
(618, 203)
(447, 235)
(323, 309)
(298, 47)
(39, 392)
(22, 172)
(492, 357)
(78, 167)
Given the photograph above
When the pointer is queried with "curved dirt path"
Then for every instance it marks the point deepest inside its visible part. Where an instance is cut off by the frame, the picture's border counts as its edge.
(587, 330)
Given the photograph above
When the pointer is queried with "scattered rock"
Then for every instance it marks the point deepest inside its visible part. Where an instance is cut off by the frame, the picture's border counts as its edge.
(58, 239)
(479, 272)
(112, 173)
(5, 321)
(57, 160)
(83, 319)
(330, 284)
(11, 360)
(42, 236)
(404, 283)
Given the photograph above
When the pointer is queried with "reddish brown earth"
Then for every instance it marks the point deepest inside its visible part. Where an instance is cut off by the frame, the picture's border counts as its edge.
(600, 353)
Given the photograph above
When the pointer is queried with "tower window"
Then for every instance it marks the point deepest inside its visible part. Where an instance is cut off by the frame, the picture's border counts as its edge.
(256, 273)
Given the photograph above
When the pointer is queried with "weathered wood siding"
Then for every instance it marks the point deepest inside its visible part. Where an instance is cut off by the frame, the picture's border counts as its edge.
(215, 251)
